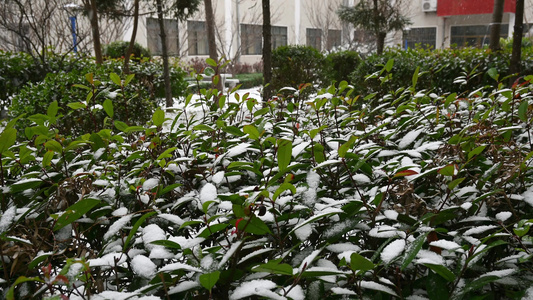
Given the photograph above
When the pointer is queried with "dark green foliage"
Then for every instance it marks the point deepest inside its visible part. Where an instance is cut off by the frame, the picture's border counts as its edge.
(135, 102)
(341, 64)
(293, 66)
(250, 80)
(441, 68)
(118, 50)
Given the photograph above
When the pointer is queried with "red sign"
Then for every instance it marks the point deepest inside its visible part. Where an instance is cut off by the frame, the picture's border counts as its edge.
(470, 7)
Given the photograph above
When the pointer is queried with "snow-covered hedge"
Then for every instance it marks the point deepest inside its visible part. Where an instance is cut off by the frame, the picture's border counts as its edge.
(414, 195)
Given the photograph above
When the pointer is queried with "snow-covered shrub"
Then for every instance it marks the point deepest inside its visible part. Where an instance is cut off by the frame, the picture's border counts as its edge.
(426, 196)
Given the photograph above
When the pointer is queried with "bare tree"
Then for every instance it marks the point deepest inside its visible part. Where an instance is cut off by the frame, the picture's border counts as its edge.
(323, 16)
(497, 16)
(211, 38)
(267, 50)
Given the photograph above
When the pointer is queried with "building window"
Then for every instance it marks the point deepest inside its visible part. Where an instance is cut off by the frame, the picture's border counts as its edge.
(154, 37)
(279, 36)
(474, 36)
(314, 38)
(251, 39)
(334, 38)
(425, 38)
(197, 38)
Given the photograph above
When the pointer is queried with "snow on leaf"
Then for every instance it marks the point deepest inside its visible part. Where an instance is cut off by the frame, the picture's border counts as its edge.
(479, 229)
(117, 225)
(386, 231)
(253, 287)
(229, 253)
(392, 250)
(504, 215)
(143, 266)
(179, 266)
(343, 247)
(109, 260)
(500, 273)
(342, 291)
(378, 287)
(302, 233)
(208, 193)
(306, 263)
(448, 245)
(409, 138)
(239, 149)
(296, 292)
(172, 218)
(7, 218)
(152, 233)
(151, 183)
(183, 286)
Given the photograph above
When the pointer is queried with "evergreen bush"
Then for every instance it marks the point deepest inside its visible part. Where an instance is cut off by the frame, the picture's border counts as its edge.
(118, 50)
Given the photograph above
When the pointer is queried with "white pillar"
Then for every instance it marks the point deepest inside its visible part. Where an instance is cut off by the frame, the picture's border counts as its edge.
(228, 24)
(512, 18)
(297, 21)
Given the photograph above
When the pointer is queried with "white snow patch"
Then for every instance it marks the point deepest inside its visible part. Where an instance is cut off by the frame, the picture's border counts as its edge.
(386, 231)
(343, 247)
(378, 287)
(479, 229)
(108, 260)
(448, 245)
(308, 260)
(392, 250)
(179, 266)
(342, 291)
(429, 257)
(238, 150)
(260, 287)
(296, 150)
(151, 183)
(500, 273)
(361, 178)
(7, 218)
(117, 225)
(528, 196)
(183, 286)
(152, 233)
(391, 214)
(296, 293)
(172, 218)
(218, 177)
(409, 138)
(466, 205)
(120, 212)
(304, 232)
(228, 254)
(504, 215)
(208, 193)
(143, 266)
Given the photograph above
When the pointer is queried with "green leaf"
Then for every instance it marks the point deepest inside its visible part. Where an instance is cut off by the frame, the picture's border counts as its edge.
(252, 131)
(450, 99)
(415, 76)
(211, 62)
(167, 153)
(81, 86)
(448, 170)
(121, 126)
(128, 79)
(476, 151)
(54, 146)
(75, 211)
(455, 183)
(522, 110)
(77, 105)
(284, 154)
(209, 280)
(135, 228)
(47, 158)
(274, 267)
(10, 295)
(413, 250)
(233, 130)
(108, 107)
(318, 152)
(39, 259)
(158, 118)
(442, 271)
(203, 127)
(493, 73)
(437, 287)
(212, 229)
(389, 65)
(284, 187)
(75, 145)
(167, 244)
(343, 149)
(360, 263)
(90, 78)
(254, 225)
(116, 79)
(52, 109)
(7, 139)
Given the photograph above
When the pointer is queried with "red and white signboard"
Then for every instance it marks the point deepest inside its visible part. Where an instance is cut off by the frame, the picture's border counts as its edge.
(470, 7)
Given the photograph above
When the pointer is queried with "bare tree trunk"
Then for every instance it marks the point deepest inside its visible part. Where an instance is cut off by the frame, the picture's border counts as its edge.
(514, 68)
(497, 16)
(133, 36)
(93, 17)
(380, 36)
(211, 39)
(166, 70)
(267, 51)
(380, 42)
